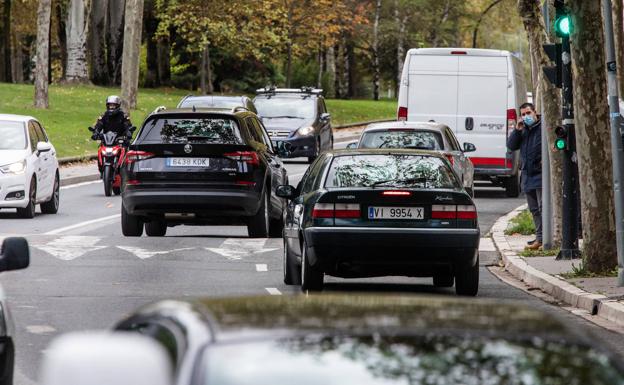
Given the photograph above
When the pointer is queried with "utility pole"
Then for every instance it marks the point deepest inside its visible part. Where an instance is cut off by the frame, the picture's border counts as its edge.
(616, 137)
(547, 237)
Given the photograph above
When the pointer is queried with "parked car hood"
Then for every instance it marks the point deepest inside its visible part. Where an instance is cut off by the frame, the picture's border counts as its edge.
(286, 124)
(12, 156)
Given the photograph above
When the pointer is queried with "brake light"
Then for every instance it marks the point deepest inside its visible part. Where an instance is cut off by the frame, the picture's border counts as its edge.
(249, 157)
(450, 159)
(402, 114)
(393, 193)
(453, 212)
(133, 156)
(323, 210)
(132, 182)
(244, 183)
(459, 53)
(512, 118)
(466, 212)
(338, 210)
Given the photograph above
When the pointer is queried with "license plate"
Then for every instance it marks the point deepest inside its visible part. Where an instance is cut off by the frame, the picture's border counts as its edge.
(187, 162)
(396, 213)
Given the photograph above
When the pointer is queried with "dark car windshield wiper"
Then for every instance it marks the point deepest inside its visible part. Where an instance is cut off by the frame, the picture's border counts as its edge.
(283, 116)
(409, 181)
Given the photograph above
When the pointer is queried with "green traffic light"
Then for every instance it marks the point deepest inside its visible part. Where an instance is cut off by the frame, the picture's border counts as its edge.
(563, 25)
(560, 144)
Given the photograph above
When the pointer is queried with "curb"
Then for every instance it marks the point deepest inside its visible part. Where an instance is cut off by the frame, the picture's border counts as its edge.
(594, 304)
(79, 179)
(74, 159)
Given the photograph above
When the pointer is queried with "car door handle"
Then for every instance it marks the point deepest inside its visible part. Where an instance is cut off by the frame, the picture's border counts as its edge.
(469, 123)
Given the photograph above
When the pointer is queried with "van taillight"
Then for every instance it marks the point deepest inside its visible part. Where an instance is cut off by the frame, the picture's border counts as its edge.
(338, 210)
(512, 118)
(249, 157)
(133, 156)
(402, 114)
(459, 53)
(453, 212)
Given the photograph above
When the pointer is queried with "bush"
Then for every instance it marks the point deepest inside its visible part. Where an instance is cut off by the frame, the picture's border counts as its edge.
(521, 224)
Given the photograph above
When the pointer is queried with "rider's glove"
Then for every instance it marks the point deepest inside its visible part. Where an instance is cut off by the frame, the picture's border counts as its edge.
(94, 137)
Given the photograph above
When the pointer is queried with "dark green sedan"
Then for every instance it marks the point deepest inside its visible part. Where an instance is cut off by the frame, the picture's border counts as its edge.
(371, 213)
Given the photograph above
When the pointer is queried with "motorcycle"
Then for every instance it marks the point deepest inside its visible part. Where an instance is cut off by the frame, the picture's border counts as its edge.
(111, 154)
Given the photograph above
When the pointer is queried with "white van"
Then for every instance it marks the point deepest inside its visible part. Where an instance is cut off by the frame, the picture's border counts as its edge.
(476, 92)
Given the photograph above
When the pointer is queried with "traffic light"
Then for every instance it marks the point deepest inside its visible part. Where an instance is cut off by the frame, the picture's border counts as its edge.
(563, 21)
(561, 142)
(553, 73)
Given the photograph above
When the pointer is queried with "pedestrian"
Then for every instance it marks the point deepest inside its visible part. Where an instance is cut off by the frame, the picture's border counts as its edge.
(527, 137)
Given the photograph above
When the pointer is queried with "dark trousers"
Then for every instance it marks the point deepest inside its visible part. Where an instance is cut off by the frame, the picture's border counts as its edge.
(534, 199)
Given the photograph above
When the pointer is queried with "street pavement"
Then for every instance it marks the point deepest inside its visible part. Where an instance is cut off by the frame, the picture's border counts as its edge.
(85, 275)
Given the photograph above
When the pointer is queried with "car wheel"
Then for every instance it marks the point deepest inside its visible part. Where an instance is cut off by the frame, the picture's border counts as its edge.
(276, 227)
(311, 276)
(258, 226)
(8, 363)
(317, 151)
(108, 180)
(51, 206)
(292, 270)
(156, 228)
(443, 280)
(131, 225)
(512, 186)
(467, 279)
(29, 211)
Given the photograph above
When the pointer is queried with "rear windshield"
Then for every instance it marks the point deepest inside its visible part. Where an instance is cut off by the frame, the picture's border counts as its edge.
(212, 102)
(390, 170)
(201, 130)
(12, 136)
(426, 140)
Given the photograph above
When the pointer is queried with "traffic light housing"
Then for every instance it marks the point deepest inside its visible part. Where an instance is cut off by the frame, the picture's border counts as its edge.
(563, 21)
(553, 73)
(562, 140)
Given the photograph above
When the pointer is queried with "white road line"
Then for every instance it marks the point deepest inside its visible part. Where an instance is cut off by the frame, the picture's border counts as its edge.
(70, 247)
(82, 224)
(273, 291)
(145, 254)
(236, 249)
(80, 184)
(40, 329)
(261, 267)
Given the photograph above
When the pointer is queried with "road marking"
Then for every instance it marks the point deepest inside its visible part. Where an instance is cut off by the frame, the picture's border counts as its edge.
(80, 184)
(145, 254)
(261, 267)
(273, 291)
(82, 224)
(235, 249)
(71, 247)
(40, 329)
(486, 244)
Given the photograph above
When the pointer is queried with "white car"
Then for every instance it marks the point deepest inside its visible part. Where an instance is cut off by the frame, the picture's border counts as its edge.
(29, 171)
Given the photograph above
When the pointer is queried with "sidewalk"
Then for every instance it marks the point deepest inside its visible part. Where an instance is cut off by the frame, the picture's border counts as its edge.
(598, 296)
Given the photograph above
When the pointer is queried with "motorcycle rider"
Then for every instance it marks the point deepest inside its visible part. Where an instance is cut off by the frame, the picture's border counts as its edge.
(114, 119)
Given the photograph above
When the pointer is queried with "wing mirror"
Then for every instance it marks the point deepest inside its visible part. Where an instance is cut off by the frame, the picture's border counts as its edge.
(352, 145)
(325, 117)
(105, 358)
(285, 191)
(43, 147)
(469, 147)
(284, 149)
(14, 255)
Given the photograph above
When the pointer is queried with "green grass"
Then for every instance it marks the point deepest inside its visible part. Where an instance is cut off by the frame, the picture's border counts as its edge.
(74, 108)
(581, 271)
(539, 253)
(521, 224)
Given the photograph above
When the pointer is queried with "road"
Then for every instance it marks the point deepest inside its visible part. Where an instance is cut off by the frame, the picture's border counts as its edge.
(85, 275)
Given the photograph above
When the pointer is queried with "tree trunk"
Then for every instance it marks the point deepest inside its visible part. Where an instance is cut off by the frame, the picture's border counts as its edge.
(289, 50)
(115, 38)
(61, 32)
(593, 136)
(321, 64)
(338, 63)
(205, 78)
(534, 25)
(77, 30)
(151, 25)
(6, 38)
(475, 32)
(618, 26)
(97, 42)
(401, 26)
(43, 42)
(350, 68)
(164, 61)
(17, 64)
(434, 36)
(131, 53)
(376, 70)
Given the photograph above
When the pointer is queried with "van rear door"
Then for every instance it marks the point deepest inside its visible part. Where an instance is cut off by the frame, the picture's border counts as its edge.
(482, 91)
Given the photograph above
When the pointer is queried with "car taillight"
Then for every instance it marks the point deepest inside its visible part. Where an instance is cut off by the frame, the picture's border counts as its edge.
(459, 53)
(132, 182)
(512, 118)
(133, 156)
(466, 212)
(402, 114)
(453, 212)
(450, 159)
(338, 210)
(393, 193)
(249, 157)
(244, 183)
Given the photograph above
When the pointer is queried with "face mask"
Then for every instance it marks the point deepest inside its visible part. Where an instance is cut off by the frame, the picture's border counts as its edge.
(529, 120)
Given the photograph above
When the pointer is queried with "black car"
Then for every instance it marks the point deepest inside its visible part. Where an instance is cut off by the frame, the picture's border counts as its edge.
(344, 340)
(217, 101)
(202, 166)
(298, 117)
(366, 213)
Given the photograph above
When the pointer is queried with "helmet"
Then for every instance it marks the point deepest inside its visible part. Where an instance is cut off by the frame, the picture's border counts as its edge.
(113, 102)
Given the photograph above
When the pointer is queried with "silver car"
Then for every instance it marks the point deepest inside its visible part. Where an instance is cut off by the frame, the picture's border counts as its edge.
(423, 136)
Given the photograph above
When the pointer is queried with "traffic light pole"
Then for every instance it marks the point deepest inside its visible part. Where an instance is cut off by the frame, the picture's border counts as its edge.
(616, 138)
(569, 242)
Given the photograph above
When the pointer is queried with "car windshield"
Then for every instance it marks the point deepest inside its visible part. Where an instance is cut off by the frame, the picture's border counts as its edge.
(389, 170)
(204, 130)
(214, 102)
(381, 360)
(302, 108)
(12, 136)
(428, 140)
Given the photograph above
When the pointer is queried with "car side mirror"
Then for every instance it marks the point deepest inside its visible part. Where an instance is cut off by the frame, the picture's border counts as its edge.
(469, 147)
(43, 147)
(132, 129)
(104, 358)
(284, 149)
(285, 191)
(325, 116)
(14, 255)
(352, 145)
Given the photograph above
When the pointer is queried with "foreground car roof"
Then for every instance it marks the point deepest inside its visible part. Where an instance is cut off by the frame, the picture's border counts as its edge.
(16, 118)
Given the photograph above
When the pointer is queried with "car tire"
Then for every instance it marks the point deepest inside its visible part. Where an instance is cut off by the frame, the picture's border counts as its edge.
(276, 227)
(258, 226)
(311, 276)
(156, 228)
(317, 151)
(443, 280)
(8, 362)
(108, 180)
(292, 270)
(52, 206)
(131, 225)
(28, 212)
(512, 186)
(467, 279)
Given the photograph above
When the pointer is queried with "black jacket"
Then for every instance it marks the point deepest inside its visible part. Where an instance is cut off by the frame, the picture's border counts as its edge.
(529, 142)
(116, 121)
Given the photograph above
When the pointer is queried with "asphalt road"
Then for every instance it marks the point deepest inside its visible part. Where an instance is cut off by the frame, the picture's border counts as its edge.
(85, 275)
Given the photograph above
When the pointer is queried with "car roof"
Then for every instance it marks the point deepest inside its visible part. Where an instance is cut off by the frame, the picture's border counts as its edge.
(385, 151)
(16, 118)
(201, 111)
(432, 126)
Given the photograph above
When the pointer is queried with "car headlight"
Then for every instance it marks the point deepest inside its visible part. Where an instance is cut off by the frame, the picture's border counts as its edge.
(14, 168)
(305, 130)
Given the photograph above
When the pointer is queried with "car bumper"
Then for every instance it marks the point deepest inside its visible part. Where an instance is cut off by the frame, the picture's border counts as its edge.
(300, 146)
(494, 172)
(10, 185)
(390, 248)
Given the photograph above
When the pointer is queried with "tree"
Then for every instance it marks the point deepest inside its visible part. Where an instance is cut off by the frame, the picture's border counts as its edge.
(43, 43)
(115, 38)
(97, 42)
(131, 53)
(593, 136)
(77, 29)
(6, 40)
(475, 32)
(375, 51)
